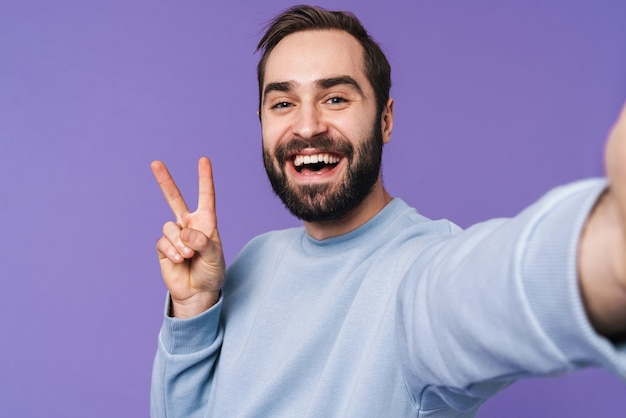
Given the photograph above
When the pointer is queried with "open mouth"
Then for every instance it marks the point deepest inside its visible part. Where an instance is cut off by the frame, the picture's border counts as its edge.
(318, 163)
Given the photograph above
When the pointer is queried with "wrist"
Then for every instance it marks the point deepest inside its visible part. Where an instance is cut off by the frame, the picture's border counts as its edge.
(192, 306)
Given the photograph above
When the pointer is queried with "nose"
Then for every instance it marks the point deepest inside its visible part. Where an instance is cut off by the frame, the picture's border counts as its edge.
(309, 122)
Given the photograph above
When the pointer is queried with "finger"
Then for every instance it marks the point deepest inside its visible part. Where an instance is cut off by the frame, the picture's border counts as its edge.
(170, 190)
(166, 250)
(172, 232)
(206, 187)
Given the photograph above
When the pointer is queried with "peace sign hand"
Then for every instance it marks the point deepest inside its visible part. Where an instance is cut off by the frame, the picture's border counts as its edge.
(190, 250)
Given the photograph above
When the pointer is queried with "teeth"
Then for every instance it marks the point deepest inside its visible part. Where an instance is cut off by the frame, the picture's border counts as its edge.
(314, 159)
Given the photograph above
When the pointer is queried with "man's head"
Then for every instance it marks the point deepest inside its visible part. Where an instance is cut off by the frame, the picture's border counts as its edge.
(323, 121)
(306, 18)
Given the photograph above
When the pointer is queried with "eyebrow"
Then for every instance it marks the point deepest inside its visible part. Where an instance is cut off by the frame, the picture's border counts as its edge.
(324, 83)
(284, 87)
(346, 80)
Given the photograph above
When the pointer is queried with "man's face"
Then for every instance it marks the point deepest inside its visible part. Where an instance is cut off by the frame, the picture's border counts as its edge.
(322, 139)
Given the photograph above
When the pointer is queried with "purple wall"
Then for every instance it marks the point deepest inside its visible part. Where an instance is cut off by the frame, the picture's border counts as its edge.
(496, 102)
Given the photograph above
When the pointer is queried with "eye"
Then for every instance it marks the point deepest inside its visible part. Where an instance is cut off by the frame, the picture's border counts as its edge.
(335, 100)
(281, 105)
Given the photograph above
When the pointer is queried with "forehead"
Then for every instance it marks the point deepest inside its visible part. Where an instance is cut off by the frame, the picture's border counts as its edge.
(307, 56)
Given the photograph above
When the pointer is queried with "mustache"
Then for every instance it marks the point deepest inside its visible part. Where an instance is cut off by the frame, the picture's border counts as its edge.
(322, 144)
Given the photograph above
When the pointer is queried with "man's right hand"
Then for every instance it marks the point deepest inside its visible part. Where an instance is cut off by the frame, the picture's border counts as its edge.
(190, 250)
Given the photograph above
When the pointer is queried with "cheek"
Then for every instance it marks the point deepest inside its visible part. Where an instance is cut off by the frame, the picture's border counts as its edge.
(269, 140)
(357, 129)
(270, 134)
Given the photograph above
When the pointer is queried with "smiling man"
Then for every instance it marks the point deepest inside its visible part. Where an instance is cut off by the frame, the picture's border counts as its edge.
(371, 309)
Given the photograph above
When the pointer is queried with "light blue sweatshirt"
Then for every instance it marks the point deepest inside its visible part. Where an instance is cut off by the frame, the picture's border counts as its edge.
(402, 317)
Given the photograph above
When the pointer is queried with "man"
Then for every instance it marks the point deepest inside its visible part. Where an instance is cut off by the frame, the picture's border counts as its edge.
(371, 309)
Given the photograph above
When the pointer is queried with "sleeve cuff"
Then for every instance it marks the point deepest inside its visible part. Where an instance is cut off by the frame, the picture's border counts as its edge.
(549, 269)
(185, 336)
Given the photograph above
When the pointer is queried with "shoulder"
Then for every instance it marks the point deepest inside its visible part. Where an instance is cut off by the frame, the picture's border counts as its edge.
(408, 222)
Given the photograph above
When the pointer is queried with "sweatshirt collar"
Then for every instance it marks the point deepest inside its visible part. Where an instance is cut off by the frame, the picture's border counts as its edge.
(371, 230)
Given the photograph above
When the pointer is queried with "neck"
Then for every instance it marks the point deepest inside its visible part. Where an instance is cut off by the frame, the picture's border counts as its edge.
(367, 209)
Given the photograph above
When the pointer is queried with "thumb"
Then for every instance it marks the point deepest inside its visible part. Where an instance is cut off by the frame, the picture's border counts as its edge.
(207, 246)
(194, 239)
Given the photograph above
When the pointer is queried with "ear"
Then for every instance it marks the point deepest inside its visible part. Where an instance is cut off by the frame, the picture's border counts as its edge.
(387, 121)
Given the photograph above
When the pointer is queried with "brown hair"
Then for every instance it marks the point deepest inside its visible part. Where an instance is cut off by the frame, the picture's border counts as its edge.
(302, 18)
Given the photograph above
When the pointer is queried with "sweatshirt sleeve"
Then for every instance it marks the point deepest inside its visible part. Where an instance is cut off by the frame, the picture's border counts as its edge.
(500, 301)
(184, 364)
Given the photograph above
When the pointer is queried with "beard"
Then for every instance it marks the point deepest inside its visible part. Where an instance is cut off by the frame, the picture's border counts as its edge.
(329, 201)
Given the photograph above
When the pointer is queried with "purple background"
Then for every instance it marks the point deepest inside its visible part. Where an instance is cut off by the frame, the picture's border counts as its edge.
(496, 102)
